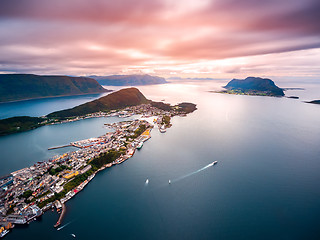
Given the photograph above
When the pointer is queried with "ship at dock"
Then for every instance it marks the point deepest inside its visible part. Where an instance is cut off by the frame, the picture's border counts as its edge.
(140, 144)
(5, 228)
(162, 129)
(3, 233)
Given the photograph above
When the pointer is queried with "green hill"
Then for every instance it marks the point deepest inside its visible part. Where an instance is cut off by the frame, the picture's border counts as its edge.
(15, 87)
(116, 100)
(254, 86)
(19, 124)
(129, 80)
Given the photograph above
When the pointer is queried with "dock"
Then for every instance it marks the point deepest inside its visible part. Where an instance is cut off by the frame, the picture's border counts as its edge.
(63, 211)
(63, 146)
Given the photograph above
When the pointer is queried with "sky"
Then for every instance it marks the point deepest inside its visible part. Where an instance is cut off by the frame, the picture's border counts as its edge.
(169, 38)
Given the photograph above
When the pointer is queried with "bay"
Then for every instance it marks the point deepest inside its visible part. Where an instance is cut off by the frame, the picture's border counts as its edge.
(265, 185)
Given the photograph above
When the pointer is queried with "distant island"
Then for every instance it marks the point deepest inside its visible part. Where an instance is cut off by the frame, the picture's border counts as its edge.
(101, 107)
(253, 86)
(129, 80)
(314, 102)
(15, 87)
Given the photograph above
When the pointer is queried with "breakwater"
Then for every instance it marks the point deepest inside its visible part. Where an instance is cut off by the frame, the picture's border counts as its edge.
(63, 211)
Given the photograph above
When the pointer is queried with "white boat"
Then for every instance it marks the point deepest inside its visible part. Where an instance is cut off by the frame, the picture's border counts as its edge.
(140, 145)
(162, 129)
(169, 181)
(211, 164)
(3, 233)
(73, 235)
(147, 181)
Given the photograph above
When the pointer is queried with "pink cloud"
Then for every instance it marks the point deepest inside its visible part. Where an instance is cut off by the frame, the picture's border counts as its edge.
(100, 36)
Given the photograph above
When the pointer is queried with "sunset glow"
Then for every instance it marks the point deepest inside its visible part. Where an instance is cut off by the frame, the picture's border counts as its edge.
(207, 38)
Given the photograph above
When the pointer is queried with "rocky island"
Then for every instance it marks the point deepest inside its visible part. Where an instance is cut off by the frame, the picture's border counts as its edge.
(16, 87)
(253, 86)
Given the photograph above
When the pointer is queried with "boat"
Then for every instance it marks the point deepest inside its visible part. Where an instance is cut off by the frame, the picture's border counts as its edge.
(169, 181)
(139, 146)
(147, 181)
(213, 163)
(73, 235)
(3, 233)
(57, 224)
(162, 129)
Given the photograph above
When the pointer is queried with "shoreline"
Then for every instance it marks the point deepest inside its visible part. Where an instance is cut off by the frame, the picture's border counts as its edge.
(246, 94)
(55, 181)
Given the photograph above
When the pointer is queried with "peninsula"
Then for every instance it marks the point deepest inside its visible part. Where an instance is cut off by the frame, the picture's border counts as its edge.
(29, 192)
(129, 80)
(16, 87)
(253, 86)
(113, 101)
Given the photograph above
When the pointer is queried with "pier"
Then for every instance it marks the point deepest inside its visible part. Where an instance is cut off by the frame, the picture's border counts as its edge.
(63, 211)
(67, 145)
(63, 146)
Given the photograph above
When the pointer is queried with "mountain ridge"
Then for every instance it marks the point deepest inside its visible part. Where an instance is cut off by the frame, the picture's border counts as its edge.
(17, 87)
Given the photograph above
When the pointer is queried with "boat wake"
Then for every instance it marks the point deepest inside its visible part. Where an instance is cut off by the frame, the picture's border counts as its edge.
(193, 173)
(59, 228)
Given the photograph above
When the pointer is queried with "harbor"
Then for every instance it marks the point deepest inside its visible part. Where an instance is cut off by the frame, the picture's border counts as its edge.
(223, 195)
(31, 191)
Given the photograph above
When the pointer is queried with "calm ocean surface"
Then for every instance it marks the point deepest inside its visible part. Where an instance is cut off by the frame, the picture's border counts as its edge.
(265, 185)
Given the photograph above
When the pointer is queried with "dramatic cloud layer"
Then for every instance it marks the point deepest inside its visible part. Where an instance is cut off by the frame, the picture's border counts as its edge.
(166, 37)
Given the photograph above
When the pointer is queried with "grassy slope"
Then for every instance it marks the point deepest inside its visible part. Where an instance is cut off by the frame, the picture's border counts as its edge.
(18, 124)
(117, 100)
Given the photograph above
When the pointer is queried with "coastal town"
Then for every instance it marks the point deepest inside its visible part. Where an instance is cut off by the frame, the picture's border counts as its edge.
(27, 193)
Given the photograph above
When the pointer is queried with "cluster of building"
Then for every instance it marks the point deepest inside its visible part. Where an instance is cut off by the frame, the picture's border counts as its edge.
(146, 110)
(25, 194)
